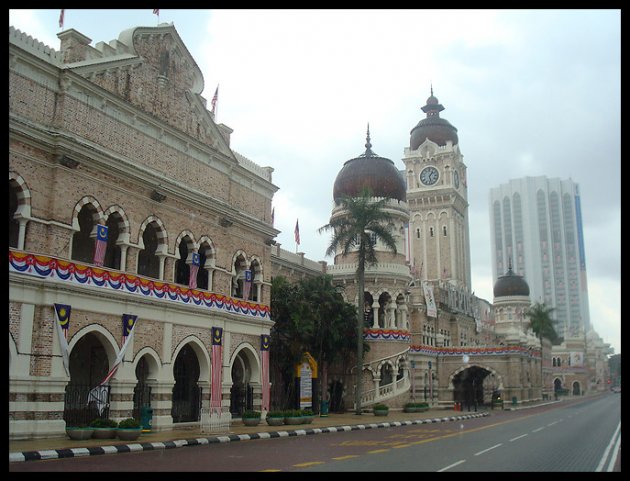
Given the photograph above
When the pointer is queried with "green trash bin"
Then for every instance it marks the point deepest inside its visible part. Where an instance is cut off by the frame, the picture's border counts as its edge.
(323, 409)
(146, 418)
(514, 401)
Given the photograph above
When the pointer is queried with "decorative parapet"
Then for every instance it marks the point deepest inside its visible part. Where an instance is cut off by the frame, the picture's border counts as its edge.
(264, 172)
(50, 268)
(475, 351)
(387, 335)
(381, 268)
(34, 46)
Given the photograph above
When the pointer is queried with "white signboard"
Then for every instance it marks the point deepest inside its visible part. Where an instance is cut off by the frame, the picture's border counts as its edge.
(306, 386)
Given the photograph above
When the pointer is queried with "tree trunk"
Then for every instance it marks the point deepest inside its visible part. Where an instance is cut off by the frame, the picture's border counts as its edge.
(360, 305)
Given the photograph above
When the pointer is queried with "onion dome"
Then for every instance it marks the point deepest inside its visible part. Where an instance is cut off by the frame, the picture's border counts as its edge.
(378, 174)
(511, 284)
(433, 127)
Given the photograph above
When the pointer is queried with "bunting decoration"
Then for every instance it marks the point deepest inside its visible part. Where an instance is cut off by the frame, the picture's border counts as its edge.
(194, 269)
(101, 244)
(63, 323)
(46, 267)
(265, 340)
(217, 362)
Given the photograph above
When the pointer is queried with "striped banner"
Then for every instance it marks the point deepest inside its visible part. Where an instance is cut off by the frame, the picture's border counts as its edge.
(217, 362)
(264, 360)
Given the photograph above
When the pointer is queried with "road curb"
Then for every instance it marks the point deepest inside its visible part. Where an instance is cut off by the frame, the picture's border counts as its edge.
(136, 447)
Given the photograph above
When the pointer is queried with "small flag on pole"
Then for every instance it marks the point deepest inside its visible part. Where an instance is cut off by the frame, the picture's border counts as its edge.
(215, 99)
(247, 285)
(297, 232)
(61, 17)
(216, 375)
(101, 244)
(194, 269)
(264, 361)
(156, 11)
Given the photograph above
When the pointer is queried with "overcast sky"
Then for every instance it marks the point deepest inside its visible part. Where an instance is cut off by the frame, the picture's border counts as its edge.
(531, 92)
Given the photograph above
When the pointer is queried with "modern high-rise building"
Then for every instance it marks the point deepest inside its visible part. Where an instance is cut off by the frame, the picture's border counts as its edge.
(536, 227)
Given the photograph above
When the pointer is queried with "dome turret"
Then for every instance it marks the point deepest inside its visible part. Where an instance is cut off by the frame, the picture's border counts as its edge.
(378, 174)
(433, 127)
(511, 284)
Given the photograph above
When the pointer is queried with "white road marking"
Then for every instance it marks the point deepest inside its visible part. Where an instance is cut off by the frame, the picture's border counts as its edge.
(486, 450)
(451, 465)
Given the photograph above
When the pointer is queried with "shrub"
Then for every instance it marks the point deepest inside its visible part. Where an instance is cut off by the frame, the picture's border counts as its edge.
(275, 414)
(129, 423)
(250, 414)
(103, 423)
(307, 412)
(292, 413)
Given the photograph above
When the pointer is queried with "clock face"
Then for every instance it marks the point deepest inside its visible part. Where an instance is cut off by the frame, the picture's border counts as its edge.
(456, 179)
(429, 175)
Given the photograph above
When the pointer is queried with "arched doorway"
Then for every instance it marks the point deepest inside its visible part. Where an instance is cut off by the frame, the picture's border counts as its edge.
(142, 391)
(186, 391)
(468, 387)
(241, 392)
(576, 388)
(89, 365)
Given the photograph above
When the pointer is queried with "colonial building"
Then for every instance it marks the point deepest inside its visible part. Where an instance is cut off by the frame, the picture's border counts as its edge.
(130, 217)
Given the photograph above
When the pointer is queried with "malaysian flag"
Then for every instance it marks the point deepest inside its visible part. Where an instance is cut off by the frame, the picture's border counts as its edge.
(194, 269)
(156, 11)
(214, 101)
(101, 244)
(63, 323)
(247, 284)
(98, 394)
(217, 355)
(264, 361)
(62, 14)
(297, 232)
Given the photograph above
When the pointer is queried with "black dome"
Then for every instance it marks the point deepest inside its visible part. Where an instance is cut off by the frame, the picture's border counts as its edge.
(511, 284)
(433, 127)
(370, 171)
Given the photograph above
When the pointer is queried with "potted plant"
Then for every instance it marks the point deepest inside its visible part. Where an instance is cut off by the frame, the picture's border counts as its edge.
(410, 408)
(292, 416)
(129, 429)
(275, 418)
(422, 407)
(380, 409)
(79, 432)
(251, 418)
(307, 416)
(104, 428)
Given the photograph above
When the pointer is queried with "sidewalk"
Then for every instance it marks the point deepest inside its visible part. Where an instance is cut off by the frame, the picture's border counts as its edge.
(62, 447)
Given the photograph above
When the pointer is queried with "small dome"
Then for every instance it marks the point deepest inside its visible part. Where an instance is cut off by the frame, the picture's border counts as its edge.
(370, 171)
(511, 284)
(433, 127)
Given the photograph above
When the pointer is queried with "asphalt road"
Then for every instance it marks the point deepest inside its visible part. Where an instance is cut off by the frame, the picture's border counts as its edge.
(580, 436)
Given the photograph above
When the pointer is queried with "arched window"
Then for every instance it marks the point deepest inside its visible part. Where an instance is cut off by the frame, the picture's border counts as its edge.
(113, 252)
(82, 242)
(148, 261)
(14, 225)
(182, 269)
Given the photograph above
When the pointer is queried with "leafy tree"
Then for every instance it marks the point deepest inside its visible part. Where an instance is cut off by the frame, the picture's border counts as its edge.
(362, 223)
(309, 316)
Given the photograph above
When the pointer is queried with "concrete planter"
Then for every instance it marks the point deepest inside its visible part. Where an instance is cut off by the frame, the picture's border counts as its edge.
(104, 433)
(251, 421)
(79, 434)
(274, 421)
(128, 434)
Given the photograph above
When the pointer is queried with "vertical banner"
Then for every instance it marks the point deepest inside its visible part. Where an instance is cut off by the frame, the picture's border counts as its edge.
(247, 284)
(429, 299)
(264, 360)
(101, 245)
(194, 269)
(63, 323)
(217, 362)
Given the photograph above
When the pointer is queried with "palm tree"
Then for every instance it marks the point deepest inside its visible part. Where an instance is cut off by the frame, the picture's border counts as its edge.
(541, 323)
(362, 223)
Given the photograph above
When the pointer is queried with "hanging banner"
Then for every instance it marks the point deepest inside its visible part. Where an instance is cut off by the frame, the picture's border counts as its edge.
(216, 377)
(63, 323)
(264, 360)
(429, 299)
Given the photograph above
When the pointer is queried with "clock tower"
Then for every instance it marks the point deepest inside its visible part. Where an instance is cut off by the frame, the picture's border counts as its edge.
(437, 197)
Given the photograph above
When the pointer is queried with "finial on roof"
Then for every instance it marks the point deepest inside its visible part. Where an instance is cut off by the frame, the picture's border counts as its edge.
(431, 89)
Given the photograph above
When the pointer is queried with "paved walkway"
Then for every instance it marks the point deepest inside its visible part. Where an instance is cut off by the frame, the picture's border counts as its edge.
(63, 447)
